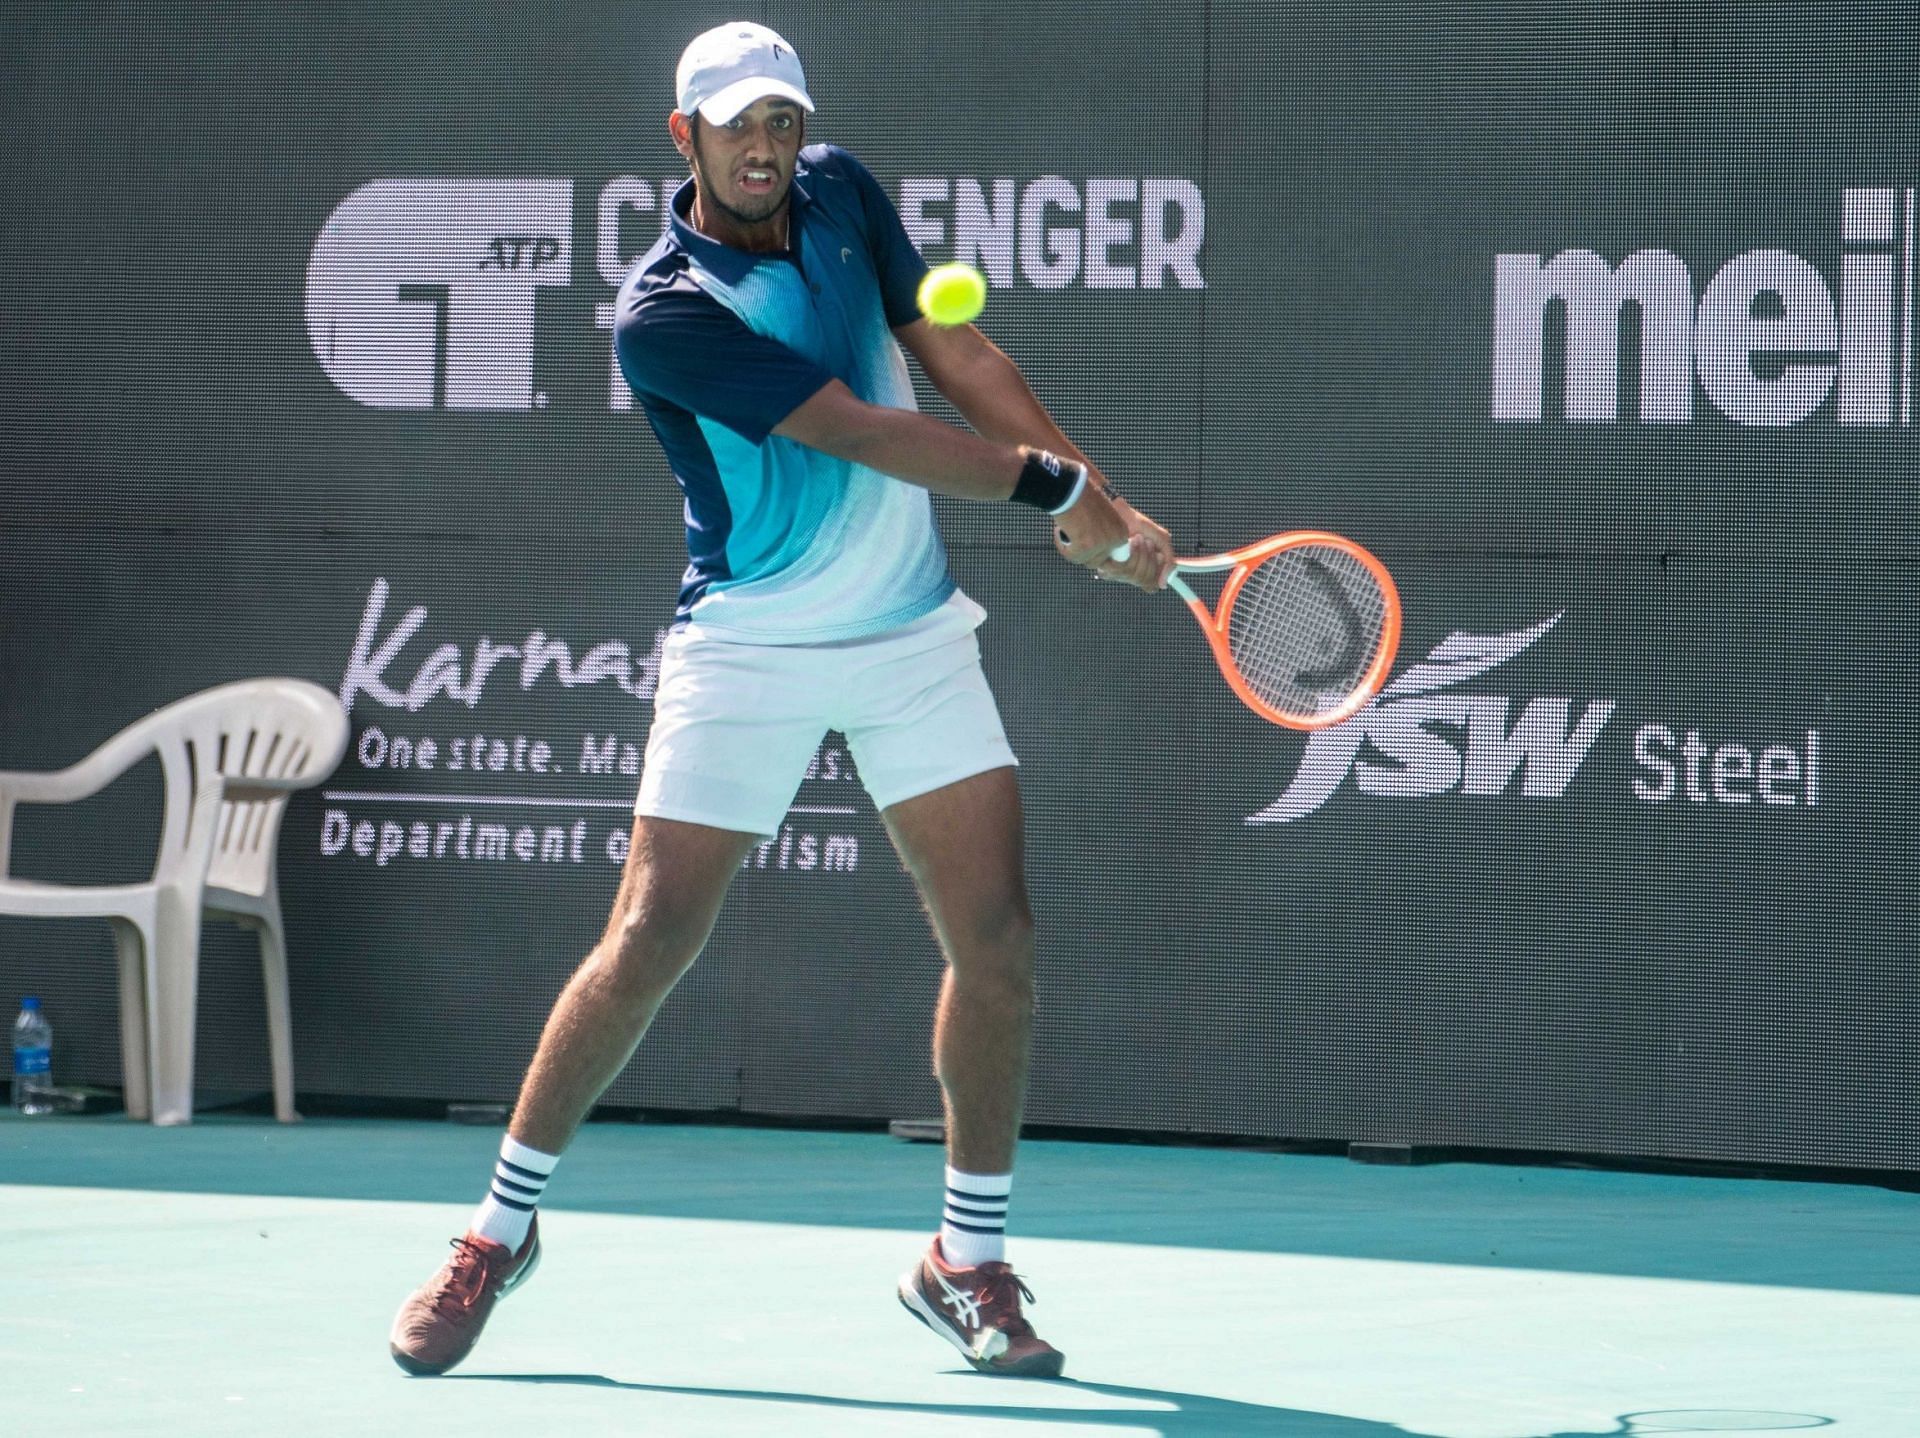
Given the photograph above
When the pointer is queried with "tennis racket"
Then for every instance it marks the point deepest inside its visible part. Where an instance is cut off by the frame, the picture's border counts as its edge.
(1304, 629)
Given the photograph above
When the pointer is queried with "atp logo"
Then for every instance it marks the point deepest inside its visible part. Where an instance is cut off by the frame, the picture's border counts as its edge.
(420, 292)
(1427, 742)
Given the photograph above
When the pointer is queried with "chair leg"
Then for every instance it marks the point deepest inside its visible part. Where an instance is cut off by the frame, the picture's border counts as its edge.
(273, 972)
(133, 946)
(173, 982)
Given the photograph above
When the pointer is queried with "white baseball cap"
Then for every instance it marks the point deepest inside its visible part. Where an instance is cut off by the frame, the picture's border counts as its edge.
(730, 66)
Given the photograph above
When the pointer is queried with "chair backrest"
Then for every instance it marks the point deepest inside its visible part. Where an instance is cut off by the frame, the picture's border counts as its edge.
(282, 729)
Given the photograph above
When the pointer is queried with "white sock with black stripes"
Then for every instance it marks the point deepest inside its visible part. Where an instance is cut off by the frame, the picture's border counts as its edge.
(519, 1178)
(973, 1226)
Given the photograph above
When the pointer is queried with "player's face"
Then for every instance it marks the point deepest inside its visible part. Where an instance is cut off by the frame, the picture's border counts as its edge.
(745, 167)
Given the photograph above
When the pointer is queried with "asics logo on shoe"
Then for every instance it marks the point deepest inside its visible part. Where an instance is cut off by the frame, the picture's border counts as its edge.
(966, 1308)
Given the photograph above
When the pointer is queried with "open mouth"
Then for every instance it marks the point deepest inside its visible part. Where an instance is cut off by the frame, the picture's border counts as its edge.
(757, 182)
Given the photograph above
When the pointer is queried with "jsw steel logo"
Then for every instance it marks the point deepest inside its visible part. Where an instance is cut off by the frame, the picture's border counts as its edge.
(1544, 743)
(1764, 338)
(1417, 741)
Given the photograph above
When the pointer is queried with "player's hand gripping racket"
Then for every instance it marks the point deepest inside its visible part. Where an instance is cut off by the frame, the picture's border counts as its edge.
(1305, 627)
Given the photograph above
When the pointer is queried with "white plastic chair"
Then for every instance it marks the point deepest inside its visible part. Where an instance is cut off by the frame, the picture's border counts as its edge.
(230, 756)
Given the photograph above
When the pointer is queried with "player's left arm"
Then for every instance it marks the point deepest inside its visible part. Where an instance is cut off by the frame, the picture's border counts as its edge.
(985, 386)
(964, 365)
(980, 381)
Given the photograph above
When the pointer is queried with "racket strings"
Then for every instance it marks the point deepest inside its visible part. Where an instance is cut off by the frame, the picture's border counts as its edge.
(1305, 628)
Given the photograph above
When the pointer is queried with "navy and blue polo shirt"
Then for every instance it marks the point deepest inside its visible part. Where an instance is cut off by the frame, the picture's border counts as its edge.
(786, 545)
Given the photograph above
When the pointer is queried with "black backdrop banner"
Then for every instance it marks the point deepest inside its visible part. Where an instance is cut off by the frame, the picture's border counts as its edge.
(1599, 331)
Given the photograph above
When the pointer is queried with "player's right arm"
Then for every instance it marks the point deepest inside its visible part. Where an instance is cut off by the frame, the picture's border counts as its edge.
(679, 347)
(984, 386)
(921, 450)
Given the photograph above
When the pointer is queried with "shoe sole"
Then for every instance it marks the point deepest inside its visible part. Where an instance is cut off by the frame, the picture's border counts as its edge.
(419, 1369)
(1041, 1365)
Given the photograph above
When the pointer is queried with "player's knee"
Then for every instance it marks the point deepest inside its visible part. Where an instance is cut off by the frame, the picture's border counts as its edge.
(645, 951)
(995, 944)
(1006, 988)
(1002, 926)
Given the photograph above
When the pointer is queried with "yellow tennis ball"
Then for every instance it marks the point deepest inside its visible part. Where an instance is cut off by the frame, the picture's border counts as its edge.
(953, 294)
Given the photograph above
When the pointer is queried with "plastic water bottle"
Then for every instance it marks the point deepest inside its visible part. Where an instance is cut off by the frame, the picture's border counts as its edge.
(32, 1060)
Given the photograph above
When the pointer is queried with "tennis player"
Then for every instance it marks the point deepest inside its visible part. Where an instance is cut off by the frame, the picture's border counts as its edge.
(763, 336)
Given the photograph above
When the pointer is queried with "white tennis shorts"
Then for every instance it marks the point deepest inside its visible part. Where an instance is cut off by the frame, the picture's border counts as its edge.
(735, 725)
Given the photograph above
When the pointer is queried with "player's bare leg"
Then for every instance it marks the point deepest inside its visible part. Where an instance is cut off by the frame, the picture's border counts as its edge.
(962, 844)
(670, 892)
(675, 879)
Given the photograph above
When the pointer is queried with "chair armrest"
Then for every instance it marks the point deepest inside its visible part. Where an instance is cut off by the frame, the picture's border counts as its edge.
(252, 788)
(84, 779)
(56, 786)
(17, 787)
(63, 786)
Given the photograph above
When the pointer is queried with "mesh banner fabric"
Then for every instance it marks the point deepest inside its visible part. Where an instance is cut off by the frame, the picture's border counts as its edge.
(1598, 331)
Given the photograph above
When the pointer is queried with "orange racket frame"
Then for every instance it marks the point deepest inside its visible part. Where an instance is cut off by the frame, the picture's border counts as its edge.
(1242, 563)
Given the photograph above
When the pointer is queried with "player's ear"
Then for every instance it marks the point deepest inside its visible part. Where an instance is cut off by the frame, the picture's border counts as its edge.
(680, 127)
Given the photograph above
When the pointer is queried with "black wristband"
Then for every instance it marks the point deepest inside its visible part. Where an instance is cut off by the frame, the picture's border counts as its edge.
(1047, 481)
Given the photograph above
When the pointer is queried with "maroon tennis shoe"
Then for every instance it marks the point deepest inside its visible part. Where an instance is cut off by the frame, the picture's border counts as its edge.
(441, 1322)
(977, 1310)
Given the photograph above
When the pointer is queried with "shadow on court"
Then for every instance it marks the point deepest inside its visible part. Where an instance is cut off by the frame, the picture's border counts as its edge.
(1193, 1415)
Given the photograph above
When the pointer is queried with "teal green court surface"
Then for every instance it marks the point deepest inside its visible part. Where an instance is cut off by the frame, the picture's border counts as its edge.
(238, 1277)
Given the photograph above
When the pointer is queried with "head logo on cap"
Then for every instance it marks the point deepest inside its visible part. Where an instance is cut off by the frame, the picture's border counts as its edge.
(731, 66)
